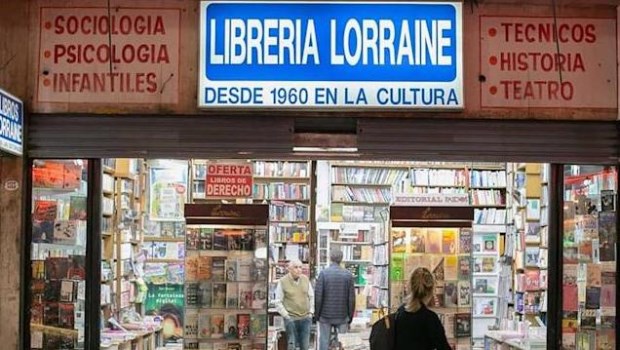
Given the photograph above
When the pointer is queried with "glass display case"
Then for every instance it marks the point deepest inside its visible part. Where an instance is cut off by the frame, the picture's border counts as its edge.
(226, 274)
(57, 298)
(589, 257)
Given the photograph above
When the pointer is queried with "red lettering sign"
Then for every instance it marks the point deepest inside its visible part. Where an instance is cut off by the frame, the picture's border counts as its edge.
(229, 180)
(131, 56)
(524, 66)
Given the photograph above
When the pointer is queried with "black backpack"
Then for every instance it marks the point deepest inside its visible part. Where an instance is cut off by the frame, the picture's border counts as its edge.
(383, 332)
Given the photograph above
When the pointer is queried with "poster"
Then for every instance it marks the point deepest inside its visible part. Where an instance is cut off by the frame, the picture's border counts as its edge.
(168, 192)
(167, 300)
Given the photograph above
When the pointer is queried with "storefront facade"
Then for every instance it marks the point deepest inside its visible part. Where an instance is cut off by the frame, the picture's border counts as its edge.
(137, 87)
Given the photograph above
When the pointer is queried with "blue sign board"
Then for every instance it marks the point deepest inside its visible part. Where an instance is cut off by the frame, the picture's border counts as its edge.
(330, 54)
(11, 123)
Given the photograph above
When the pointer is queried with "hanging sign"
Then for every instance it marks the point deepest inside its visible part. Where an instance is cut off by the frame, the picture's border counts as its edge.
(432, 199)
(11, 124)
(330, 54)
(229, 180)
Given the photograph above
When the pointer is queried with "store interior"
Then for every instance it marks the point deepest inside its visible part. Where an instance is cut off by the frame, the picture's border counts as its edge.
(174, 278)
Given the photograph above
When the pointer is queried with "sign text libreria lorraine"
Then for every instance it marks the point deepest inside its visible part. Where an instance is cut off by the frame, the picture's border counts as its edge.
(330, 54)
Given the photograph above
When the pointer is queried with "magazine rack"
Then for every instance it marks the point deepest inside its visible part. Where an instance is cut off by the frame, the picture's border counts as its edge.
(226, 276)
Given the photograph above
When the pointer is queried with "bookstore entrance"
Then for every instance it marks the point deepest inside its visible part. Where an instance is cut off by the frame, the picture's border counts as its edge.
(147, 233)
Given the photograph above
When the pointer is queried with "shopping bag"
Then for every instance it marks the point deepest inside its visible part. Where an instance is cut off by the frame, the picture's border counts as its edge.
(334, 343)
(383, 332)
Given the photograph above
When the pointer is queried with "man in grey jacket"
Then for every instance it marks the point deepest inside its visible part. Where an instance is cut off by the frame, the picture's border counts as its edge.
(334, 298)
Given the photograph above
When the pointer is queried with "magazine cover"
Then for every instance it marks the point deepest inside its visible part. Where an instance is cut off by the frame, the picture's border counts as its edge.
(258, 325)
(205, 290)
(206, 238)
(245, 295)
(218, 296)
(259, 296)
(399, 241)
(230, 326)
(448, 240)
(451, 267)
(464, 268)
(204, 269)
(464, 293)
(462, 325)
(217, 326)
(192, 261)
(434, 241)
(218, 267)
(465, 238)
(417, 240)
(243, 325)
(450, 290)
(232, 296)
(191, 324)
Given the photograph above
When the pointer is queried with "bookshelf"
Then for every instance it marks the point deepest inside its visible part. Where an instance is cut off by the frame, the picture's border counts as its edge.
(123, 187)
(58, 248)
(225, 282)
(359, 197)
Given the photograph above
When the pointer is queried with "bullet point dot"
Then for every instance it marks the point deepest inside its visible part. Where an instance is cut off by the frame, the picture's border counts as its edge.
(492, 32)
(493, 60)
(47, 54)
(48, 25)
(493, 90)
(46, 82)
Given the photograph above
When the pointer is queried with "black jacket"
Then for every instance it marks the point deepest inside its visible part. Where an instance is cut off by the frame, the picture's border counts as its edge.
(420, 330)
(334, 296)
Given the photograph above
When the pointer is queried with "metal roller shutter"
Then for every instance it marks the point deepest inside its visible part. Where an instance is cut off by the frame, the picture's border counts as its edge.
(100, 136)
(489, 140)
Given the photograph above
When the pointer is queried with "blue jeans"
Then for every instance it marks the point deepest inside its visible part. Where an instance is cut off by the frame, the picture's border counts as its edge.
(324, 331)
(298, 333)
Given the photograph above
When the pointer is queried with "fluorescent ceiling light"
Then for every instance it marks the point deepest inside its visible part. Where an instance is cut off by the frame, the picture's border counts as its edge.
(325, 149)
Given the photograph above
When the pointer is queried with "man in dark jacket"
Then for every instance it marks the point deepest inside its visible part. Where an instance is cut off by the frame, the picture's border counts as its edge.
(334, 298)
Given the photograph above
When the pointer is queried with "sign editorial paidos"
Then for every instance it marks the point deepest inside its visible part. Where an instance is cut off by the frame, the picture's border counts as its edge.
(331, 54)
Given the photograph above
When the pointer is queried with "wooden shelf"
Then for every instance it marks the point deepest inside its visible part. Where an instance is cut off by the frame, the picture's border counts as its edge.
(65, 332)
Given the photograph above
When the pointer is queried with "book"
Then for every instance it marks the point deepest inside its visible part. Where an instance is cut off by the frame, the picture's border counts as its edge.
(399, 241)
(450, 290)
(66, 314)
(260, 269)
(192, 262)
(220, 241)
(434, 241)
(217, 326)
(206, 290)
(77, 208)
(259, 296)
(258, 325)
(230, 327)
(245, 295)
(204, 268)
(244, 270)
(190, 326)
(218, 296)
(56, 268)
(192, 294)
(51, 314)
(593, 297)
(608, 201)
(448, 241)
(593, 275)
(243, 325)
(464, 293)
(417, 240)
(451, 267)
(218, 267)
(192, 238)
(232, 296)
(67, 291)
(608, 289)
(465, 238)
(206, 239)
(462, 325)
(231, 270)
(464, 272)
(569, 297)
(607, 236)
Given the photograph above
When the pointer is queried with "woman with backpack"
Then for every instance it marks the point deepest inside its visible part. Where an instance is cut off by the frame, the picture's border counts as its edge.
(417, 327)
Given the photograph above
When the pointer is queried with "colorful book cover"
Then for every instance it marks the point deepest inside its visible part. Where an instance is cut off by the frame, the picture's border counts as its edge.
(397, 268)
(451, 267)
(464, 293)
(220, 241)
(205, 268)
(218, 267)
(608, 201)
(206, 239)
(434, 239)
(65, 232)
(230, 327)
(259, 296)
(437, 268)
(66, 315)
(605, 339)
(192, 294)
(192, 261)
(258, 325)
(190, 325)
(608, 317)
(450, 291)
(593, 275)
(36, 313)
(56, 268)
(584, 251)
(489, 243)
(192, 238)
(465, 238)
(399, 241)
(448, 241)
(243, 325)
(231, 270)
(206, 291)
(77, 208)
(245, 295)
(607, 236)
(232, 296)
(532, 280)
(570, 297)
(608, 289)
(462, 325)
(593, 297)
(217, 326)
(43, 217)
(218, 296)
(464, 268)
(417, 241)
(244, 270)
(588, 318)
(570, 255)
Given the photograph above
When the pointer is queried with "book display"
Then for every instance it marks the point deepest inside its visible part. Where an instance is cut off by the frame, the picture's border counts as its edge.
(589, 258)
(57, 260)
(440, 239)
(226, 282)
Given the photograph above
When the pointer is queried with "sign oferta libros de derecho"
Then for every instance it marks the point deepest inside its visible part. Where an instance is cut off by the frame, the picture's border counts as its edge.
(331, 54)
